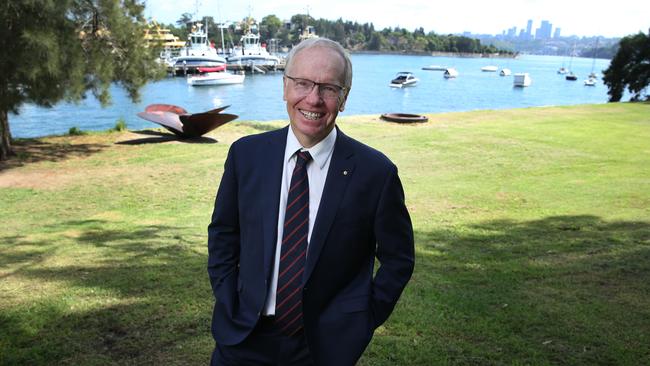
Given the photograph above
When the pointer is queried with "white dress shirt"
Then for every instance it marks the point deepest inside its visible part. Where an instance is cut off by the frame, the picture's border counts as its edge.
(321, 154)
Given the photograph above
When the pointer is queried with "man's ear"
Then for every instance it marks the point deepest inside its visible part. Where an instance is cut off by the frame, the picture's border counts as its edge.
(345, 99)
(284, 89)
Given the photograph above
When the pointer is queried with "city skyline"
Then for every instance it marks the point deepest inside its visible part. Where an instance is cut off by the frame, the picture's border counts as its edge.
(580, 18)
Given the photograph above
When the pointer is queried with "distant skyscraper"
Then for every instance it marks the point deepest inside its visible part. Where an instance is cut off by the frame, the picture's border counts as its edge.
(544, 30)
(529, 28)
(556, 34)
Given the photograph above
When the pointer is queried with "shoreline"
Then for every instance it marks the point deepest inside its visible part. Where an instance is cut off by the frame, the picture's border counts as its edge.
(435, 54)
(341, 118)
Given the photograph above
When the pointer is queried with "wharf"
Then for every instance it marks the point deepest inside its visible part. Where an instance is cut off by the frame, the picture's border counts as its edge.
(236, 68)
(250, 68)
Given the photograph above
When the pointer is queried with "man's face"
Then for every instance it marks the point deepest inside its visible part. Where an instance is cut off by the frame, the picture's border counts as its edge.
(312, 116)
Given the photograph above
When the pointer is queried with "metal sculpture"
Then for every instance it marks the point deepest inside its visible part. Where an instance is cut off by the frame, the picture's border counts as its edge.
(185, 124)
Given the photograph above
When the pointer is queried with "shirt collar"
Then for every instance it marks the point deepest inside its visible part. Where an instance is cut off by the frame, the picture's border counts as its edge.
(319, 152)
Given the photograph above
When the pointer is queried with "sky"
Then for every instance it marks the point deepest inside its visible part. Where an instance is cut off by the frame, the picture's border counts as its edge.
(574, 17)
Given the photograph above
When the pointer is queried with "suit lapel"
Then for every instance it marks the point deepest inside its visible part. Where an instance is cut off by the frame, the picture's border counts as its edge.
(271, 169)
(338, 176)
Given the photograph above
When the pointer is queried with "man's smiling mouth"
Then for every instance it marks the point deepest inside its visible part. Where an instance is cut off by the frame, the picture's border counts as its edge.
(311, 115)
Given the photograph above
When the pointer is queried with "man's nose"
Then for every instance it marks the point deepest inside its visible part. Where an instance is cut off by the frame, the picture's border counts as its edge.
(314, 95)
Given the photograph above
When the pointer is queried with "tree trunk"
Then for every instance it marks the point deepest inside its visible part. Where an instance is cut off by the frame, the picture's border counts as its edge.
(5, 136)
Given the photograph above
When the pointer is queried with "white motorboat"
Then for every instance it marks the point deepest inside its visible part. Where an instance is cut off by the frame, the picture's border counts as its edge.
(505, 72)
(450, 73)
(435, 68)
(403, 79)
(252, 52)
(216, 78)
(197, 53)
(522, 80)
(489, 68)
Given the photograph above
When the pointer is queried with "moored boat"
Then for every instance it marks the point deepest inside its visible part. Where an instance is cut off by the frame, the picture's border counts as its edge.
(522, 80)
(489, 68)
(505, 72)
(197, 53)
(590, 81)
(403, 79)
(435, 68)
(251, 52)
(216, 78)
(450, 73)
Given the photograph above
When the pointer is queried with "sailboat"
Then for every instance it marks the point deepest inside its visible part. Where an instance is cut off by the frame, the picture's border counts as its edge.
(591, 80)
(563, 70)
(571, 76)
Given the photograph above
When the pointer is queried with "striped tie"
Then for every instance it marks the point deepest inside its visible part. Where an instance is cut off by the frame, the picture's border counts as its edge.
(288, 308)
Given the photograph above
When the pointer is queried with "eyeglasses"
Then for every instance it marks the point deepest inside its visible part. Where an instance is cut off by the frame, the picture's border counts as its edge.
(325, 90)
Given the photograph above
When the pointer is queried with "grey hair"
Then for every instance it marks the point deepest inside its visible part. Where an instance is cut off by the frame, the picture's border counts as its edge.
(326, 43)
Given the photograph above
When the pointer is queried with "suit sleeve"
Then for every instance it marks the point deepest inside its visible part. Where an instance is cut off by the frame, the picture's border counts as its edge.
(223, 234)
(395, 248)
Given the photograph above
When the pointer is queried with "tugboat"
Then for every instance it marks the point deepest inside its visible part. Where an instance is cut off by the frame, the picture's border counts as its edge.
(197, 53)
(251, 52)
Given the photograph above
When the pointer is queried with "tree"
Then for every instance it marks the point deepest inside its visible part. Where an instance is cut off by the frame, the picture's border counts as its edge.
(184, 20)
(630, 68)
(270, 26)
(59, 50)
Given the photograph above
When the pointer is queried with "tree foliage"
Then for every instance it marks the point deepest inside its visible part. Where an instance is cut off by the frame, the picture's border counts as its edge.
(270, 26)
(359, 37)
(55, 50)
(630, 68)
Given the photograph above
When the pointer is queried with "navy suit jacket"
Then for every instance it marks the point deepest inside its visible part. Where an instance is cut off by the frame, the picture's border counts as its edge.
(362, 216)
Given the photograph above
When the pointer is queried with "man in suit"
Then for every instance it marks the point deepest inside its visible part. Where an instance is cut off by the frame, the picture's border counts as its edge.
(300, 216)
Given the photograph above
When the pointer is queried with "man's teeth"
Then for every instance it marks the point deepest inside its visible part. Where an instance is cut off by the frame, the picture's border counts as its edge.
(311, 115)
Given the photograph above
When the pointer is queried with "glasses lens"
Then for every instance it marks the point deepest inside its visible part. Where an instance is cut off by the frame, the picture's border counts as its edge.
(302, 85)
(330, 91)
(305, 86)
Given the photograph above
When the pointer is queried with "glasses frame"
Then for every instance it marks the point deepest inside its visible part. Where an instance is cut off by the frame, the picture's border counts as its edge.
(320, 91)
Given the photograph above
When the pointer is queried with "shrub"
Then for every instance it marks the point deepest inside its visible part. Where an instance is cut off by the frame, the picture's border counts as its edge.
(75, 131)
(120, 125)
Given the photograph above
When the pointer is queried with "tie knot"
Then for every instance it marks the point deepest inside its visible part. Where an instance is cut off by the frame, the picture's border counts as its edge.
(303, 157)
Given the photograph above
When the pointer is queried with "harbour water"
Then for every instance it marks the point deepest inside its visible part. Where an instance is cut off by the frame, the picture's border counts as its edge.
(260, 96)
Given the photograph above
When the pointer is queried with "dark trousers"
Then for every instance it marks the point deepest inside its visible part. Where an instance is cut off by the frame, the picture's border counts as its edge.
(265, 346)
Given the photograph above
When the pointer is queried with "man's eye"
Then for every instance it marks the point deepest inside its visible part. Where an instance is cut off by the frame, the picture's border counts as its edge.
(330, 89)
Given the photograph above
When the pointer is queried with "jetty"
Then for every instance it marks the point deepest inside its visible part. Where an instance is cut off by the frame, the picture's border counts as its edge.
(250, 68)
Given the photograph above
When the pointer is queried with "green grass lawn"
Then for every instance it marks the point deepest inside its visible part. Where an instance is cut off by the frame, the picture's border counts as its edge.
(532, 239)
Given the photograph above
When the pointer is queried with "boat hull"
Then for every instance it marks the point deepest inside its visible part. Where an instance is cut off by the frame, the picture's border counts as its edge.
(217, 78)
(522, 80)
(403, 85)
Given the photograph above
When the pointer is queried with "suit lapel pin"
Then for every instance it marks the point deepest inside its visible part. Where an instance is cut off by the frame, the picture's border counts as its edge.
(345, 172)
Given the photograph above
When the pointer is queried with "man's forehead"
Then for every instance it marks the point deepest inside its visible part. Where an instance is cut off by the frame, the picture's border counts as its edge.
(321, 51)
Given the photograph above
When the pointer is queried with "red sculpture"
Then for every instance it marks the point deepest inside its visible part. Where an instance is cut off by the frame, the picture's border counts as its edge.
(183, 123)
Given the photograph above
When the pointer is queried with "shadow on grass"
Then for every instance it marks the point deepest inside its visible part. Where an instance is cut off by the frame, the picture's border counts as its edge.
(160, 137)
(559, 290)
(139, 296)
(34, 150)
